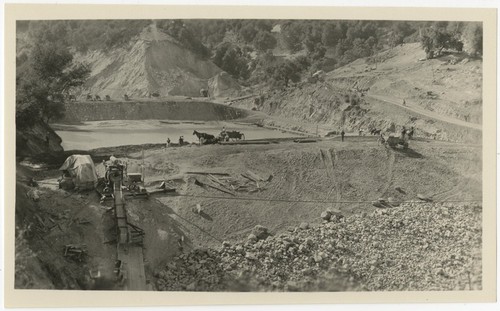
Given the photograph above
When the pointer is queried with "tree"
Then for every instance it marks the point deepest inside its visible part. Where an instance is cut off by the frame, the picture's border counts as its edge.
(400, 30)
(427, 44)
(264, 41)
(283, 73)
(42, 81)
(331, 34)
(436, 38)
(231, 59)
(248, 32)
(292, 34)
(473, 38)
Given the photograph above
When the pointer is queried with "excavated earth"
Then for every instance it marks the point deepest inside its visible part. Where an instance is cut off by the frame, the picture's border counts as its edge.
(204, 238)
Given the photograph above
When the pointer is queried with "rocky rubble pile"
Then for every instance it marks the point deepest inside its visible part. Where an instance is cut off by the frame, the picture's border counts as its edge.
(416, 246)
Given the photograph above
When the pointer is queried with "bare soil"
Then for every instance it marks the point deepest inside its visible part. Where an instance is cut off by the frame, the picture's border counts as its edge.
(307, 179)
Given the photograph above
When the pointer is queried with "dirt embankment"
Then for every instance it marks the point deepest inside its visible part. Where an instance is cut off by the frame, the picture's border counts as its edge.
(447, 91)
(360, 171)
(46, 221)
(306, 180)
(146, 110)
(154, 62)
(37, 139)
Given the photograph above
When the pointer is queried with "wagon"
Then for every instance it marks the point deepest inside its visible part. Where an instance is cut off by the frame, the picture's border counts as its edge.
(397, 142)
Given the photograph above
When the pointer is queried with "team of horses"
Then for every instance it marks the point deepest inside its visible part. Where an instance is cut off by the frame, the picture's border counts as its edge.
(205, 138)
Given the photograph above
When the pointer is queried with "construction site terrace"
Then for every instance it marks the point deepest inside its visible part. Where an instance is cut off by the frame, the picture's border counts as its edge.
(344, 209)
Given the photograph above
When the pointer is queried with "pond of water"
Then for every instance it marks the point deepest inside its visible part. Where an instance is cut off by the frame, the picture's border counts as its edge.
(96, 134)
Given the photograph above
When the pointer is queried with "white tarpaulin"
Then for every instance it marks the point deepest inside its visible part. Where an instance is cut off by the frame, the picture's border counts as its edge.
(81, 168)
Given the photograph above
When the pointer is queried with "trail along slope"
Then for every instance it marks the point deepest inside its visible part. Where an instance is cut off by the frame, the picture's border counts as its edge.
(391, 100)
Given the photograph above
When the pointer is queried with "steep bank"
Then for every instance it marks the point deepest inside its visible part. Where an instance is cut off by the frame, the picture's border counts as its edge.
(150, 110)
(37, 139)
(369, 93)
(154, 62)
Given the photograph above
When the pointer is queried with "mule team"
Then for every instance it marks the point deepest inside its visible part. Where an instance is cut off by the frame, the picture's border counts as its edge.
(205, 138)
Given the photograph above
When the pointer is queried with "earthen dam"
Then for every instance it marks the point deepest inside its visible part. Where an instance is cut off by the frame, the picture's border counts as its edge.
(196, 110)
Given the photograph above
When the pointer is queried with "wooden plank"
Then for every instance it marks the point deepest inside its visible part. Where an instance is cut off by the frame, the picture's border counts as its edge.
(217, 181)
(248, 177)
(208, 173)
(134, 260)
(246, 142)
(255, 176)
(199, 183)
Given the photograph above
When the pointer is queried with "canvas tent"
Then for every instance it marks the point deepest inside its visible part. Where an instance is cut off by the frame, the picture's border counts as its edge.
(81, 169)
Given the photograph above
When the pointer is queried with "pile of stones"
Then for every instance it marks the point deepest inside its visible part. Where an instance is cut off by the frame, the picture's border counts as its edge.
(416, 246)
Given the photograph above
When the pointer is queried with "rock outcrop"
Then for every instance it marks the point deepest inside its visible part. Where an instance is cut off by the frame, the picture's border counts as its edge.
(37, 139)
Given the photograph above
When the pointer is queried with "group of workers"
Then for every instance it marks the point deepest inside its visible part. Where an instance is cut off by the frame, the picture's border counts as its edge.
(404, 133)
(181, 141)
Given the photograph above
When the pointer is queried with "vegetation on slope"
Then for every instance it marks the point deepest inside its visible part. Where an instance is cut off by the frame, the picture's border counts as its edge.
(252, 50)
(274, 53)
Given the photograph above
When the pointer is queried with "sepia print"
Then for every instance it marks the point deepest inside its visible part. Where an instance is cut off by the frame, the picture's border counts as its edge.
(249, 155)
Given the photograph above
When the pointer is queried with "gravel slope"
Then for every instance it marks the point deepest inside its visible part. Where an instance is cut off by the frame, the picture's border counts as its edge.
(412, 247)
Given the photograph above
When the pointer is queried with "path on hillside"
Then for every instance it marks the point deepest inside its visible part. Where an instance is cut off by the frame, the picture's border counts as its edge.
(422, 111)
(154, 31)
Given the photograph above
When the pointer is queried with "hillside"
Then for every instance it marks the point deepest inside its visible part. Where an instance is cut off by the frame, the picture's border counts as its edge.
(443, 96)
(153, 62)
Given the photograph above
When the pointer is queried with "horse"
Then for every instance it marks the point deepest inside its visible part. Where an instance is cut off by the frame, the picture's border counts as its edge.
(205, 136)
(89, 97)
(97, 98)
(126, 97)
(375, 132)
(234, 135)
(108, 98)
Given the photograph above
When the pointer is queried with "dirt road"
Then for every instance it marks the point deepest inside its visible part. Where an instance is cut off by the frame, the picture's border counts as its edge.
(427, 113)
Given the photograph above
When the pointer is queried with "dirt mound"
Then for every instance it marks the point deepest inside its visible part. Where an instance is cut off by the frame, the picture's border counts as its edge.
(152, 63)
(342, 254)
(357, 171)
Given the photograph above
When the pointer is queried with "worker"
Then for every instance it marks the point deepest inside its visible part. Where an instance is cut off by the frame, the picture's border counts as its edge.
(168, 142)
(381, 138)
(47, 139)
(181, 140)
(342, 134)
(410, 134)
(404, 102)
(403, 133)
(223, 133)
(32, 182)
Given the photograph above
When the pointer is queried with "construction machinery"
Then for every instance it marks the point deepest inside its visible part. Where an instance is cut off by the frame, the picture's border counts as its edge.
(129, 238)
(397, 142)
(132, 184)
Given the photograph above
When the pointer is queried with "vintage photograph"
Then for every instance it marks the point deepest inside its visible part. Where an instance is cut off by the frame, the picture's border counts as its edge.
(249, 155)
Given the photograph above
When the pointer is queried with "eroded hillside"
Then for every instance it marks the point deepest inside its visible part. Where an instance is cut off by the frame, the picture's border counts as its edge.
(441, 98)
(153, 62)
